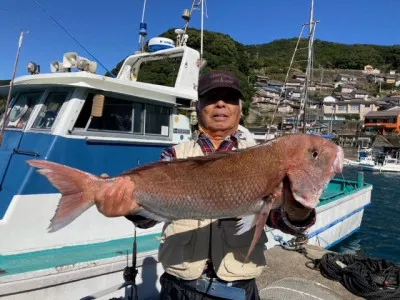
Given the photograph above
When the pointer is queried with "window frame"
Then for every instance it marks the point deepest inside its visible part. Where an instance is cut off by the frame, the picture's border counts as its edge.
(68, 90)
(33, 112)
(79, 131)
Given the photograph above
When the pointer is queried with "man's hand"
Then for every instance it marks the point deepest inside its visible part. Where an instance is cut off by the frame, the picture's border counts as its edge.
(115, 198)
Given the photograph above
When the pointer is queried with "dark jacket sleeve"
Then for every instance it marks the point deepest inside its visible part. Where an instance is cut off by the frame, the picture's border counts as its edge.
(143, 222)
(278, 219)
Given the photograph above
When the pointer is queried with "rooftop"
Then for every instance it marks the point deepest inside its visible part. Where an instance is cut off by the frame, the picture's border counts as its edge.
(384, 113)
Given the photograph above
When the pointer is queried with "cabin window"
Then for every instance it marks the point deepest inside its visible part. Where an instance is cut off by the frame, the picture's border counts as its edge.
(162, 71)
(342, 107)
(157, 119)
(125, 116)
(50, 109)
(22, 109)
(118, 115)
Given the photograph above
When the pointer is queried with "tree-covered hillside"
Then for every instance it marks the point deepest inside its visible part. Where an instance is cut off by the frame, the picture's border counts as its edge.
(275, 56)
(272, 59)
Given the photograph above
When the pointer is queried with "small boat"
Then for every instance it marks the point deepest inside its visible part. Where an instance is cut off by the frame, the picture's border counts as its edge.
(383, 163)
(378, 162)
(365, 158)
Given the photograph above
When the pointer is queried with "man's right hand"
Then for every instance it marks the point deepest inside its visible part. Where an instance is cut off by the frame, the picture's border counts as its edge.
(111, 196)
(114, 199)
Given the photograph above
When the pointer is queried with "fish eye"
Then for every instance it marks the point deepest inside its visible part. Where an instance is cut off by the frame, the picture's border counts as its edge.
(315, 154)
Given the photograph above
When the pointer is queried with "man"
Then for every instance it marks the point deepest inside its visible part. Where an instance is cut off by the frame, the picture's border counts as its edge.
(204, 259)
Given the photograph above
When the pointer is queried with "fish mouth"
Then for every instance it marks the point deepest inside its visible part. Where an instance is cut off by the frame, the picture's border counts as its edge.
(291, 199)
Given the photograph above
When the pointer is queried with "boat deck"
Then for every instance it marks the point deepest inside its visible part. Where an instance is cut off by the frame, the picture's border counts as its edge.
(283, 264)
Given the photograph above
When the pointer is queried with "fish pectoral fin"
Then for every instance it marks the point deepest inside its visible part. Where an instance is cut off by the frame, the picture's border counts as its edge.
(149, 215)
(246, 223)
(260, 223)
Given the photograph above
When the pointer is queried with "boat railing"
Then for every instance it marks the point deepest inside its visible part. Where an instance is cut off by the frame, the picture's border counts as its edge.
(341, 187)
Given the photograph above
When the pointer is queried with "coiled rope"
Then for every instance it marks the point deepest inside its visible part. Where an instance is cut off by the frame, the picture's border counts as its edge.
(363, 276)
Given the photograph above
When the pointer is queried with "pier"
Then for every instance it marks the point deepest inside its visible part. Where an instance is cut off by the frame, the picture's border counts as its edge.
(285, 267)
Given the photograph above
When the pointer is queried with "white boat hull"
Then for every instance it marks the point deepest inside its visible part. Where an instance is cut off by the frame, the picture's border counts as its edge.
(382, 168)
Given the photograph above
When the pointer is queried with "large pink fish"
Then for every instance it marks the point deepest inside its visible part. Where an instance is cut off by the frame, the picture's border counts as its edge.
(246, 183)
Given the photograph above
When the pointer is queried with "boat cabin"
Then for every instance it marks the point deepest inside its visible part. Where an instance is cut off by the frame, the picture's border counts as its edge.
(96, 123)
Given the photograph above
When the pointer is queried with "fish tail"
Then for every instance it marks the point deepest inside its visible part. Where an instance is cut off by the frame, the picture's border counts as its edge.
(75, 186)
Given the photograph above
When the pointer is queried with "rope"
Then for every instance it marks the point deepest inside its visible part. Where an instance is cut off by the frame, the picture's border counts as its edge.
(365, 277)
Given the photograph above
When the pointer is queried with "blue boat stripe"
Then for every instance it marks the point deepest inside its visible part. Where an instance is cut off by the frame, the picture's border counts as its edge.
(322, 229)
(342, 238)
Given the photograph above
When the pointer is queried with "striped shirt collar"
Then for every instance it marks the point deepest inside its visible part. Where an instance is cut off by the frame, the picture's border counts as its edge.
(207, 146)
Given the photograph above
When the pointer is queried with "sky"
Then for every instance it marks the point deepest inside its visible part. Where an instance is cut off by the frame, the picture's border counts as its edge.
(109, 29)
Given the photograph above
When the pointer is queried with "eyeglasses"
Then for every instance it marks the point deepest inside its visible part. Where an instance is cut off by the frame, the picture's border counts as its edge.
(227, 95)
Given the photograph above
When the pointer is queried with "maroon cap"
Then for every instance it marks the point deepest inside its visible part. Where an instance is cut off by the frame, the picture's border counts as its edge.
(218, 79)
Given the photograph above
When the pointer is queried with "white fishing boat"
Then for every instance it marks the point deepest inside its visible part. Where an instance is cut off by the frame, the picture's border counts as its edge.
(385, 164)
(102, 124)
(365, 158)
(379, 162)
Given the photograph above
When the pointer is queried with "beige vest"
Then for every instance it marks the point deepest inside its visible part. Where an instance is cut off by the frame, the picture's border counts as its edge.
(185, 243)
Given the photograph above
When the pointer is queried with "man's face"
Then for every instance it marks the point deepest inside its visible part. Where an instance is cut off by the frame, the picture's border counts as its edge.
(219, 110)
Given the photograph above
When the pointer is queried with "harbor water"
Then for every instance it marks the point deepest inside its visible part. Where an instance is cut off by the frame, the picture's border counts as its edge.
(379, 235)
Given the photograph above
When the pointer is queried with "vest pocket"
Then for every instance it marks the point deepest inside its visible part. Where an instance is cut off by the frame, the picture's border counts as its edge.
(235, 249)
(177, 246)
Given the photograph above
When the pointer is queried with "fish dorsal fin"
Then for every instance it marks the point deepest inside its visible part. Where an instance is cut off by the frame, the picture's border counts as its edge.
(191, 161)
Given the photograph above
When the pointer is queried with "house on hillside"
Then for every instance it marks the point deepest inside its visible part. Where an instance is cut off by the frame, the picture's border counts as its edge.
(390, 79)
(261, 78)
(375, 78)
(383, 121)
(295, 93)
(266, 95)
(342, 96)
(360, 94)
(368, 69)
(352, 109)
(275, 84)
(294, 83)
(300, 76)
(346, 78)
(347, 89)
(323, 86)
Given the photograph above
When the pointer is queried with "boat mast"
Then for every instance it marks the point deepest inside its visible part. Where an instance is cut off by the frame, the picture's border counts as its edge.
(5, 116)
(142, 29)
(312, 25)
(202, 31)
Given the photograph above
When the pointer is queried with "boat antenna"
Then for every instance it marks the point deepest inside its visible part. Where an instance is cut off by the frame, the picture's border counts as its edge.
(202, 31)
(142, 28)
(21, 39)
(72, 37)
(187, 16)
